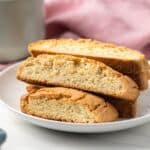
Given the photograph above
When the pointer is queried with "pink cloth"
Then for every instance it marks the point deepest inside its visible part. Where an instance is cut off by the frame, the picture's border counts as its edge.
(115, 21)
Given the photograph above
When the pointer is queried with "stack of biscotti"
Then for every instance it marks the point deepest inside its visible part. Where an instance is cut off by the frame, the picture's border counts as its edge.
(122, 59)
(102, 72)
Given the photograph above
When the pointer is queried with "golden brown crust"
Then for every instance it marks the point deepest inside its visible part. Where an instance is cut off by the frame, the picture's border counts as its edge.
(141, 79)
(102, 111)
(125, 109)
(31, 88)
(130, 92)
(126, 66)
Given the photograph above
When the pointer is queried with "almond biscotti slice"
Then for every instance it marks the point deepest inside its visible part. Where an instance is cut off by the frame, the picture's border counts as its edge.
(79, 73)
(64, 104)
(122, 59)
(126, 109)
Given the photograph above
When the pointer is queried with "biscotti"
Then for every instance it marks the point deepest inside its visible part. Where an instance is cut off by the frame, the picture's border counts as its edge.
(65, 104)
(122, 59)
(126, 109)
(76, 72)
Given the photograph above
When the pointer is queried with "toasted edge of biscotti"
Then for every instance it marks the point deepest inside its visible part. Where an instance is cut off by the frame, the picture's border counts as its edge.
(49, 102)
(125, 108)
(141, 79)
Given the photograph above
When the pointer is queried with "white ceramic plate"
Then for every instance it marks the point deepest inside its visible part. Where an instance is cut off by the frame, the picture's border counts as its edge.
(11, 89)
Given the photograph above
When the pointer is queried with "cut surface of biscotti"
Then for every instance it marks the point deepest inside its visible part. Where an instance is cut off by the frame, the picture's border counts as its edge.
(120, 58)
(65, 104)
(126, 109)
(79, 73)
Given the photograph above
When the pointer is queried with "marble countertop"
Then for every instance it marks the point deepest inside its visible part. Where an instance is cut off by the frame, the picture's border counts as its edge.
(24, 136)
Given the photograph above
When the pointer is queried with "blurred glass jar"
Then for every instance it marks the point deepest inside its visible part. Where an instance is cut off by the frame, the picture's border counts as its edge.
(21, 21)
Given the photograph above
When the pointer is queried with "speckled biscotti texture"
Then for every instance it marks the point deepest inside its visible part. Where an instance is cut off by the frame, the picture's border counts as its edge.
(65, 104)
(79, 73)
(122, 59)
(126, 109)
